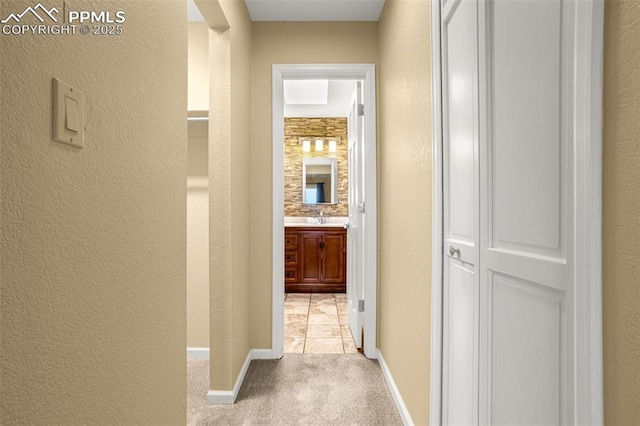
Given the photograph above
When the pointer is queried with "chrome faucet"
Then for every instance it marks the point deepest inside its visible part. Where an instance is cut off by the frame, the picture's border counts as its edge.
(321, 219)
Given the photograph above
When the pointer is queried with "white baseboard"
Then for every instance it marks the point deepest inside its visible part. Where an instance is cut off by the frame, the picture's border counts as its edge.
(215, 397)
(197, 353)
(229, 397)
(220, 397)
(395, 393)
(262, 354)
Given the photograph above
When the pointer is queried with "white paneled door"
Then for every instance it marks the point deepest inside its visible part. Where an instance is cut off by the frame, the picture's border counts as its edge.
(527, 245)
(508, 112)
(355, 241)
(461, 290)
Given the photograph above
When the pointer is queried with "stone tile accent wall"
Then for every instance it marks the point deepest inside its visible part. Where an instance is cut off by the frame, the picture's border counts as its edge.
(294, 128)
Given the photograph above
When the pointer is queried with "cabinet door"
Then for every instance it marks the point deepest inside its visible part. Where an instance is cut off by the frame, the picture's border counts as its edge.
(290, 276)
(290, 240)
(334, 250)
(291, 266)
(291, 269)
(310, 257)
(291, 258)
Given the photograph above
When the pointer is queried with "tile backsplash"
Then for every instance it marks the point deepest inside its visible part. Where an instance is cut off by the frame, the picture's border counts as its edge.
(294, 128)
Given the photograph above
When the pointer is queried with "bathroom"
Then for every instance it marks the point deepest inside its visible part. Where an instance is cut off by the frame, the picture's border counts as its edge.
(316, 197)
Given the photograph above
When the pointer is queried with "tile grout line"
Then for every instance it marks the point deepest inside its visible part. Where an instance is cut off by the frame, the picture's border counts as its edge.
(306, 329)
(335, 300)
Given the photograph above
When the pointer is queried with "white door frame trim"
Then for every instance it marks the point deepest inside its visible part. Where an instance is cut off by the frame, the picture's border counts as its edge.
(435, 374)
(364, 72)
(588, 214)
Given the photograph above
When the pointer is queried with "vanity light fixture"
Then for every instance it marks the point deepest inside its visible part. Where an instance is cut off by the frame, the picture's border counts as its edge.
(319, 142)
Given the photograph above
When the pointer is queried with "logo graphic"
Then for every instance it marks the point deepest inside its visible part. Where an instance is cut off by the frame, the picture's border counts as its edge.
(34, 11)
(41, 20)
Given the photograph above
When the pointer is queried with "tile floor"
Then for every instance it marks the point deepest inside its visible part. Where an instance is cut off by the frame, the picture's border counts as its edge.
(317, 323)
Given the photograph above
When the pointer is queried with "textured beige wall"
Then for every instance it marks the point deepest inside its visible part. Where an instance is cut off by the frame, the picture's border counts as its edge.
(229, 202)
(286, 43)
(405, 191)
(294, 128)
(93, 239)
(621, 211)
(198, 85)
(198, 236)
(241, 49)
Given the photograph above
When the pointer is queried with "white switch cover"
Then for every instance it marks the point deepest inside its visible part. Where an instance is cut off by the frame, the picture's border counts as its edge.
(71, 110)
(68, 114)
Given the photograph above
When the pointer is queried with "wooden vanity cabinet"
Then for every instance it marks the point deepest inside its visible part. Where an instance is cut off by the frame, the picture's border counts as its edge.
(291, 252)
(315, 260)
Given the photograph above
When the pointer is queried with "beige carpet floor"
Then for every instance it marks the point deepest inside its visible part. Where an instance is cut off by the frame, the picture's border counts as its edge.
(299, 389)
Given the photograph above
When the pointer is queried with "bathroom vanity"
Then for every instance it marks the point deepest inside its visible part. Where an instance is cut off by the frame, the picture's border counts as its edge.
(315, 259)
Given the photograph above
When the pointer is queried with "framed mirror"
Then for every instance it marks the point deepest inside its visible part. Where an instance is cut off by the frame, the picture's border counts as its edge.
(319, 181)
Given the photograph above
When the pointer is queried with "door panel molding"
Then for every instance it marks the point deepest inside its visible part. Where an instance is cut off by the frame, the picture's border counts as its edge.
(461, 278)
(513, 299)
(544, 79)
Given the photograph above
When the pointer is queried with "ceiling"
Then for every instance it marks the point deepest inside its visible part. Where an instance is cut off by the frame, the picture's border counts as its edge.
(305, 10)
(193, 13)
(314, 10)
(336, 93)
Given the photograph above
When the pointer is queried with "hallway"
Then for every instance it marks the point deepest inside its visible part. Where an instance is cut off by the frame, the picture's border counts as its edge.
(321, 379)
(314, 389)
(98, 299)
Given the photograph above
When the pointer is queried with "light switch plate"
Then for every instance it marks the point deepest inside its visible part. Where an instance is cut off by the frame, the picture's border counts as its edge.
(68, 113)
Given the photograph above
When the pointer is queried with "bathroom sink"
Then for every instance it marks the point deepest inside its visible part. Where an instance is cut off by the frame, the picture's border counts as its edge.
(312, 225)
(289, 219)
(339, 221)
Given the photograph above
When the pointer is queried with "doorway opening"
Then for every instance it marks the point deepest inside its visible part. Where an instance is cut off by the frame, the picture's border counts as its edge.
(197, 184)
(346, 235)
